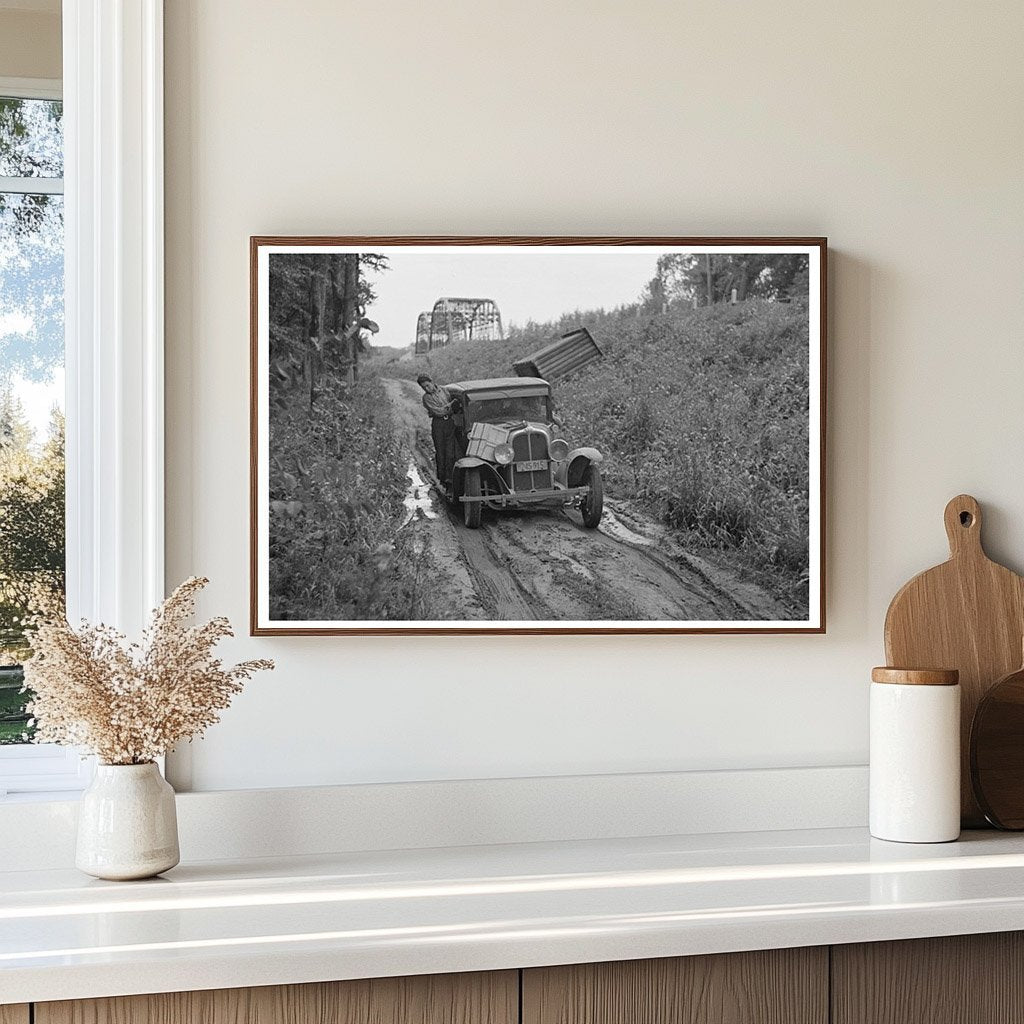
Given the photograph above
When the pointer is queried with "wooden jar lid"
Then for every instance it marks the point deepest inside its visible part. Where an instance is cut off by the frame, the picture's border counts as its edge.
(916, 676)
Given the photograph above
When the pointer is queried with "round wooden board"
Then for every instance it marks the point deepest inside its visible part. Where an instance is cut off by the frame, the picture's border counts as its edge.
(997, 752)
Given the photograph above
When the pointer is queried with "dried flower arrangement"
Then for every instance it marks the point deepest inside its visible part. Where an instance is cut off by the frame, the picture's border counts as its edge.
(130, 703)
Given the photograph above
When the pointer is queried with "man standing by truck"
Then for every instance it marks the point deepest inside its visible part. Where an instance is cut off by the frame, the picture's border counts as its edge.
(441, 408)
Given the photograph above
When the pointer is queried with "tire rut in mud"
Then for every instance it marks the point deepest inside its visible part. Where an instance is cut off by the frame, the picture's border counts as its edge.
(581, 574)
(699, 597)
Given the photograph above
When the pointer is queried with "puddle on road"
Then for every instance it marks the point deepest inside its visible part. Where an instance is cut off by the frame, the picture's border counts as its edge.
(417, 501)
(614, 527)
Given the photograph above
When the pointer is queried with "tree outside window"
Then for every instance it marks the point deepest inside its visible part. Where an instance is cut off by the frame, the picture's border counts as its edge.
(32, 542)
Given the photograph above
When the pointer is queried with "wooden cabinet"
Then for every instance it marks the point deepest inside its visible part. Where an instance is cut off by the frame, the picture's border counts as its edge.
(962, 979)
(491, 998)
(967, 979)
(777, 986)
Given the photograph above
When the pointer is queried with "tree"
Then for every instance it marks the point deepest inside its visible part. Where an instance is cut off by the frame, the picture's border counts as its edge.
(32, 545)
(712, 277)
(31, 242)
(31, 346)
(317, 303)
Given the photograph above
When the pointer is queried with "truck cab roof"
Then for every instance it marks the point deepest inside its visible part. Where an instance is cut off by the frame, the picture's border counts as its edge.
(501, 387)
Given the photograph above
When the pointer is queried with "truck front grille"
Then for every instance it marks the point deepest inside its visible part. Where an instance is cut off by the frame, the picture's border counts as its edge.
(529, 446)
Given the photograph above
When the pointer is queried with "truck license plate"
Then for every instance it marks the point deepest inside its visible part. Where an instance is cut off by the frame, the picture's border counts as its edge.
(531, 467)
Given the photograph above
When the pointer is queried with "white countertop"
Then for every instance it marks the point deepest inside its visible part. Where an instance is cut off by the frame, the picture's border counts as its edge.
(226, 924)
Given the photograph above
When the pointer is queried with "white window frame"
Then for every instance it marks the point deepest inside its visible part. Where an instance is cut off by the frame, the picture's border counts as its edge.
(114, 325)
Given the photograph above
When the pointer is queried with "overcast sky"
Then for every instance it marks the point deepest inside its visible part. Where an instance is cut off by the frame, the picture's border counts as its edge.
(526, 285)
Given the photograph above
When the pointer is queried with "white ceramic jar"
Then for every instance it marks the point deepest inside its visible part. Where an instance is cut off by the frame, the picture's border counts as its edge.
(127, 823)
(915, 755)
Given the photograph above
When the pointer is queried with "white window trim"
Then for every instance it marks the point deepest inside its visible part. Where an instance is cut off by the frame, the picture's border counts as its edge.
(32, 88)
(42, 768)
(32, 186)
(114, 324)
(113, 168)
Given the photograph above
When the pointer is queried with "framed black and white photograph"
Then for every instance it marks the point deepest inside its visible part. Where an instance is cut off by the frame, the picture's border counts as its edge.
(537, 435)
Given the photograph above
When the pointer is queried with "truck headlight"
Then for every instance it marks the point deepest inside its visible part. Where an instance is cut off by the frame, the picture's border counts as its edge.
(559, 450)
(503, 454)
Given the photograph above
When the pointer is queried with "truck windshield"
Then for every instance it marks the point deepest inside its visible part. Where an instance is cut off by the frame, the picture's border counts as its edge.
(505, 410)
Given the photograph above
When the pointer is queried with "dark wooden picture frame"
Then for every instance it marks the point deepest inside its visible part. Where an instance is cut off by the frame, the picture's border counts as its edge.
(726, 259)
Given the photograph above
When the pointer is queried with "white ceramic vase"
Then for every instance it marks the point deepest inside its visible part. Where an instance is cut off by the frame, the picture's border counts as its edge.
(127, 825)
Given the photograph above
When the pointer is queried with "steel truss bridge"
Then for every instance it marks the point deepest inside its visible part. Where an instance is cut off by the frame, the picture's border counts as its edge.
(458, 319)
(423, 333)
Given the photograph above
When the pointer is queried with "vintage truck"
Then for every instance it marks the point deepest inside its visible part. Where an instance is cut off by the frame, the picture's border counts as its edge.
(509, 454)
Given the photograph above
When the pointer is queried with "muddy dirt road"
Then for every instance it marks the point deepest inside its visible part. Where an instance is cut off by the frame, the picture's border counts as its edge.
(544, 565)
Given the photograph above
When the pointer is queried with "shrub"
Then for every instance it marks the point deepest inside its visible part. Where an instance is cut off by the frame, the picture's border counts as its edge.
(336, 487)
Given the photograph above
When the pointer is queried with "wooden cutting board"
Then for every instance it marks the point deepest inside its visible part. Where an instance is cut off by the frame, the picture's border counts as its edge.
(967, 614)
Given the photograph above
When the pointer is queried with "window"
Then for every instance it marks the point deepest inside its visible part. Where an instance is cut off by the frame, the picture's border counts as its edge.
(113, 329)
(32, 533)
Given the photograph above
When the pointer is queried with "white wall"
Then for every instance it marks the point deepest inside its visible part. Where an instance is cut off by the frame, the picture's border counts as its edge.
(895, 129)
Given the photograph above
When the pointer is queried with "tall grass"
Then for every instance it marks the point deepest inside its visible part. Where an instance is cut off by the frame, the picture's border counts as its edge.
(337, 479)
(702, 416)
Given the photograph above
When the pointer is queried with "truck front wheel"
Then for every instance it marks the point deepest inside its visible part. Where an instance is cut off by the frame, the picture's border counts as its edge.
(472, 510)
(593, 502)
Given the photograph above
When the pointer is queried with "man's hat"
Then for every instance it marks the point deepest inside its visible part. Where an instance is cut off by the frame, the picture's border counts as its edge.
(424, 376)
